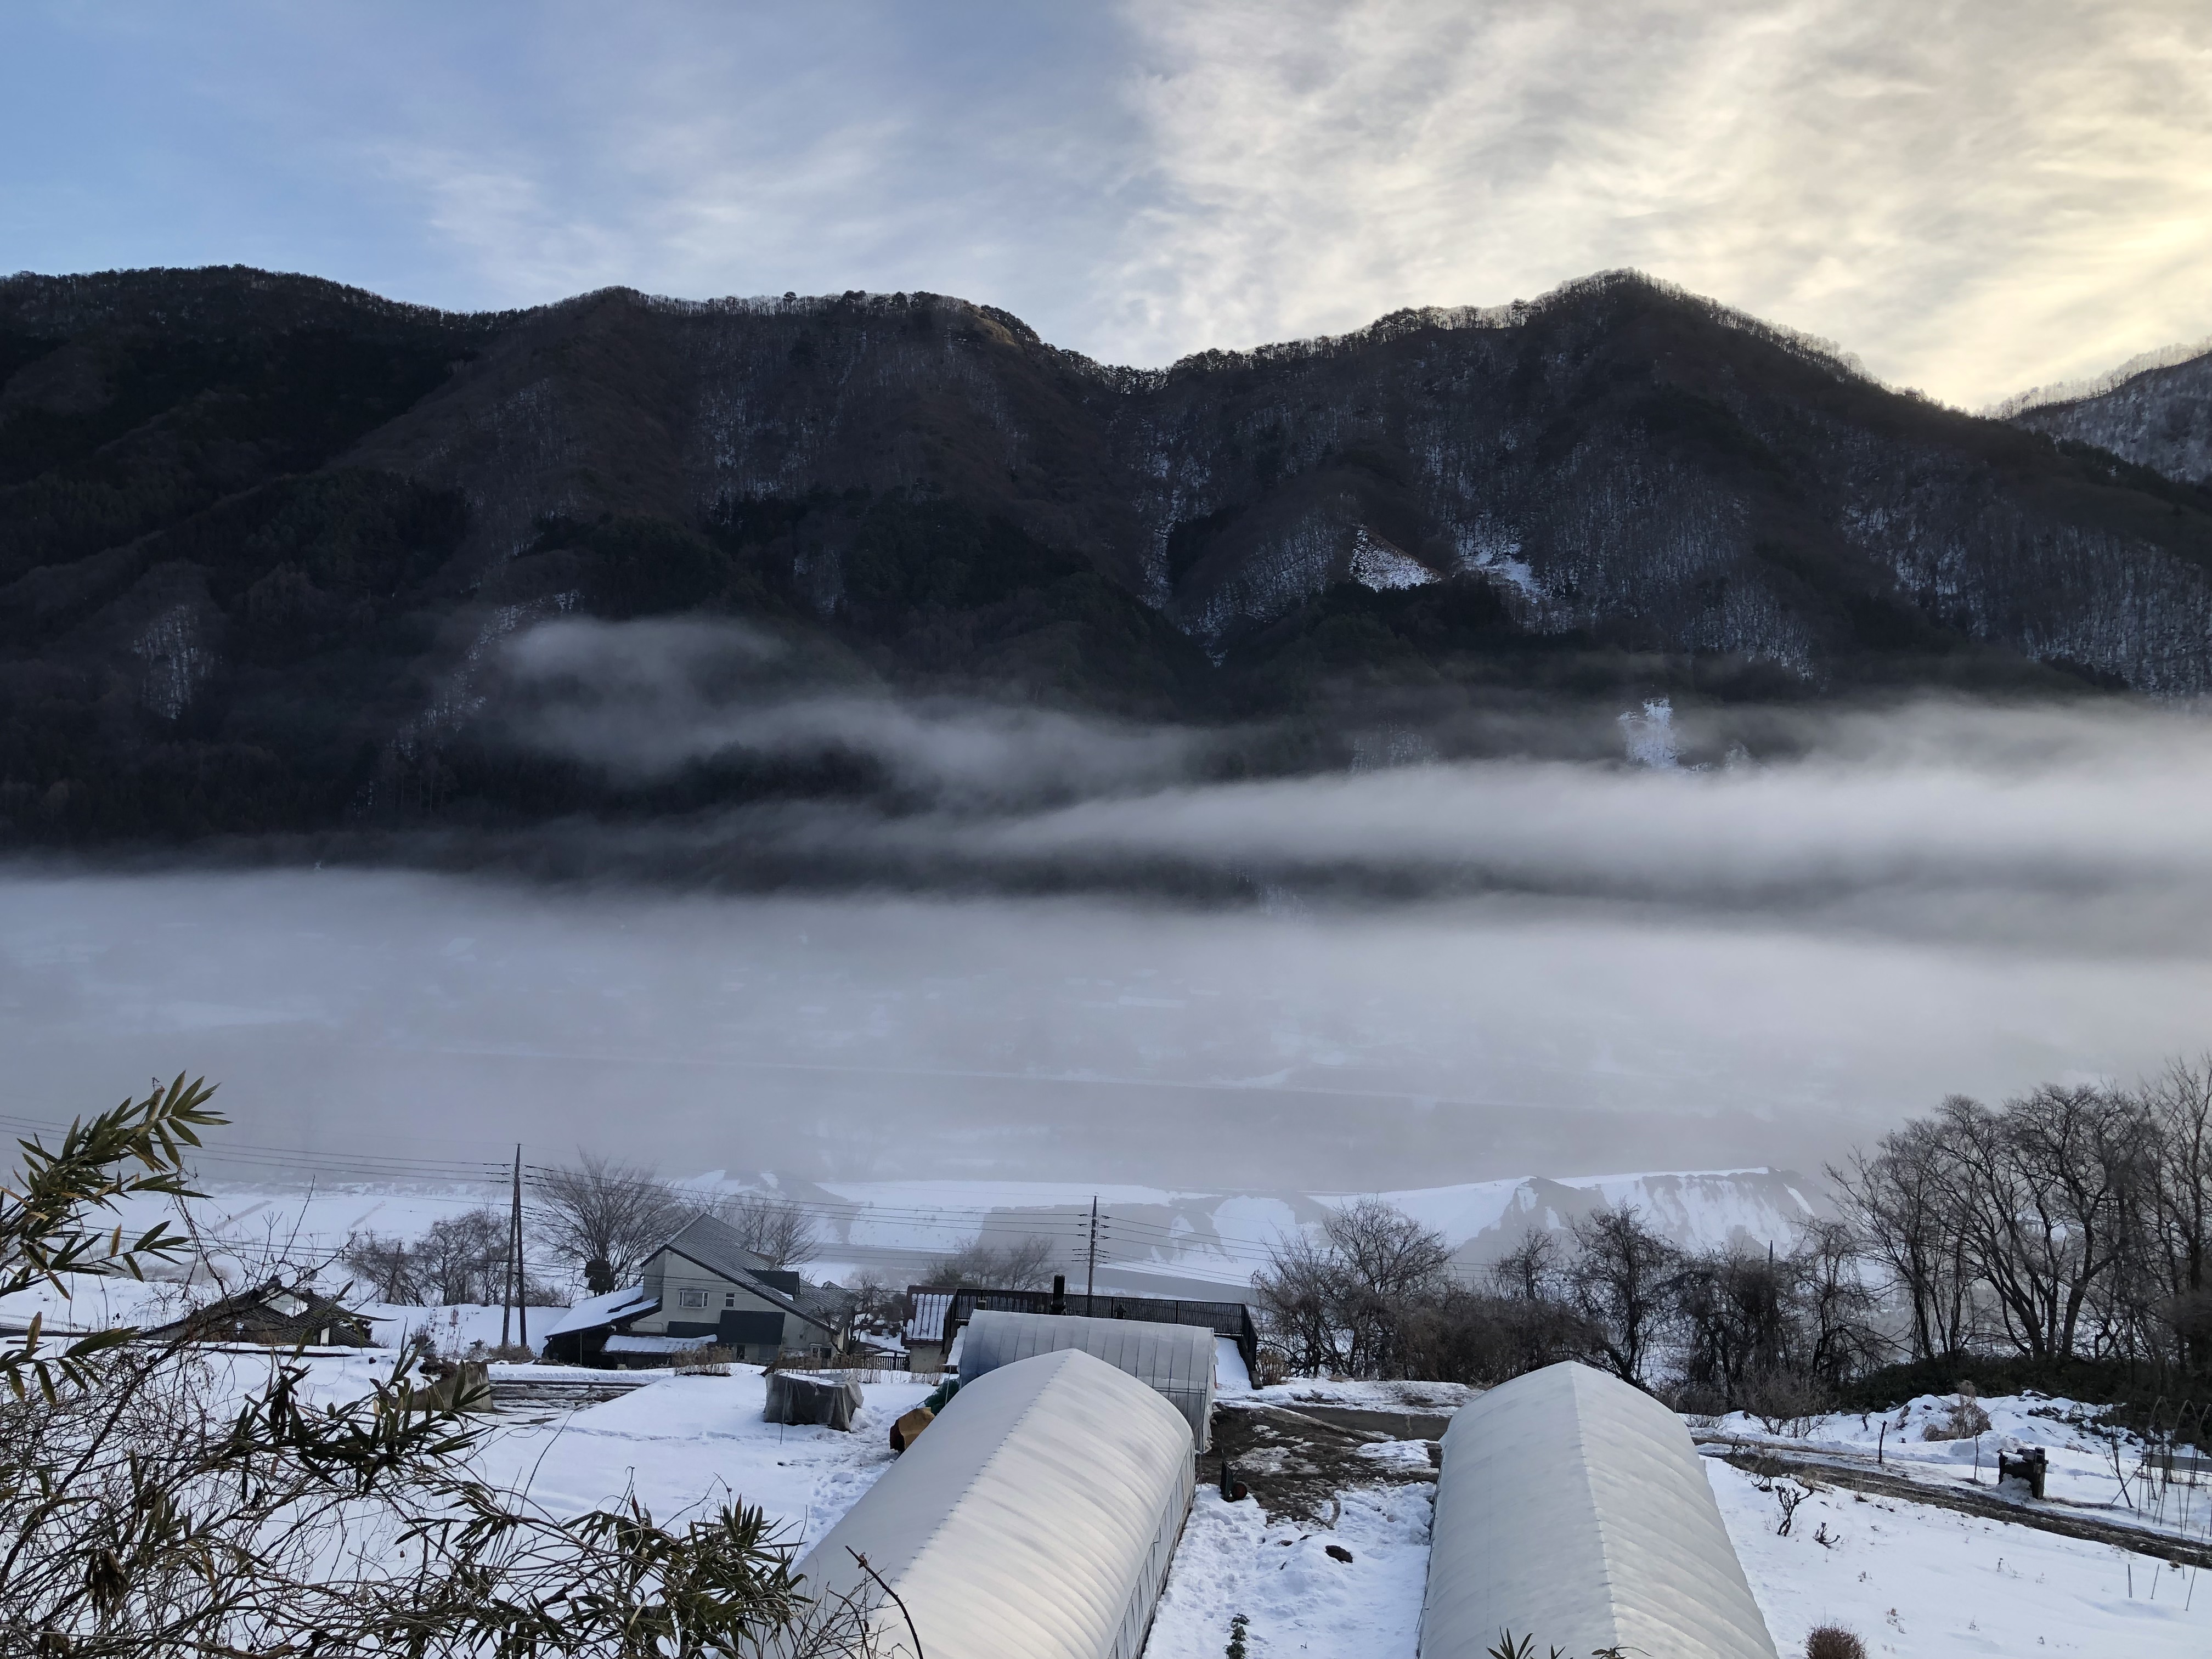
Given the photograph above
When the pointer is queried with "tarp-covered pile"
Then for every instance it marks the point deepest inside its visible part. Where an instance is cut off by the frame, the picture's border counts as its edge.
(807, 1397)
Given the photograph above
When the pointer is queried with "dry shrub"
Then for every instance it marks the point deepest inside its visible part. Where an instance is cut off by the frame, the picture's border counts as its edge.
(709, 1361)
(1963, 1421)
(1833, 1642)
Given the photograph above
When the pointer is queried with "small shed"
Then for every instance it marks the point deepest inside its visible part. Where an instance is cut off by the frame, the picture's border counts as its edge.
(1036, 1520)
(1175, 1361)
(1572, 1510)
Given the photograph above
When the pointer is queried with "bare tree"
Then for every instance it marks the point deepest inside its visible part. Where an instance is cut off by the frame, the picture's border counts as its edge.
(386, 1265)
(2039, 1194)
(1900, 1201)
(1024, 1264)
(463, 1258)
(1622, 1278)
(776, 1230)
(1299, 1293)
(1530, 1271)
(604, 1218)
(2177, 1108)
(1348, 1301)
(1842, 1314)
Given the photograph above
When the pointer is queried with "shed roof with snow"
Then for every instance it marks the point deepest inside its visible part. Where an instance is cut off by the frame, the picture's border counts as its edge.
(1034, 1519)
(1572, 1509)
(1175, 1361)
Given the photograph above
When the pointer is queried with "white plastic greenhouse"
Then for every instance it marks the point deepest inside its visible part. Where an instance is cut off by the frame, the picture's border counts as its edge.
(1034, 1519)
(1573, 1510)
(1176, 1361)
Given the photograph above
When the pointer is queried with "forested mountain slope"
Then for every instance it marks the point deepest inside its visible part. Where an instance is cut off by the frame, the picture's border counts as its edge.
(2160, 418)
(262, 538)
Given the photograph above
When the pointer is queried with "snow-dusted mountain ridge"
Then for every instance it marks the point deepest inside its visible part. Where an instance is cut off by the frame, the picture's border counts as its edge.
(1150, 1240)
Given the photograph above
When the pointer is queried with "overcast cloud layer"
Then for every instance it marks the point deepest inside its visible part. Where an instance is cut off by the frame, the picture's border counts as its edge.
(1973, 198)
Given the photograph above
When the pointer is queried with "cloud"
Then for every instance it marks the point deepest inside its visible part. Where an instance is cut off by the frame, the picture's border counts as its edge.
(1973, 199)
(2067, 829)
(1970, 197)
(643, 700)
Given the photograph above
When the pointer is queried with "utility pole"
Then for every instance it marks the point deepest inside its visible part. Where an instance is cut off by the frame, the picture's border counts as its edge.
(1091, 1274)
(507, 1275)
(521, 1313)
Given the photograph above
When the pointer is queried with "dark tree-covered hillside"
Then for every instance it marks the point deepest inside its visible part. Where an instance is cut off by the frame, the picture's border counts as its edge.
(265, 540)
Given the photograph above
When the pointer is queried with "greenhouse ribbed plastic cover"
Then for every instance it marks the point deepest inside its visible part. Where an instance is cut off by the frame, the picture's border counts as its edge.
(1034, 1519)
(1572, 1509)
(1177, 1360)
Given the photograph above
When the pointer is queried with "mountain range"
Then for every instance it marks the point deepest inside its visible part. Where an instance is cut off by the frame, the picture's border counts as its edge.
(267, 545)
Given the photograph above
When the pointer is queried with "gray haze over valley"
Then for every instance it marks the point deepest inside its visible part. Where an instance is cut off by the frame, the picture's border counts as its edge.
(1407, 975)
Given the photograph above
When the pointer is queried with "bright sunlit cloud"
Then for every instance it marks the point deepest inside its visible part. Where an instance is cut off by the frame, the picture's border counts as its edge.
(1971, 199)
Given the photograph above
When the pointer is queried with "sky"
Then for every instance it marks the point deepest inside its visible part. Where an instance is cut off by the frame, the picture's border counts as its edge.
(1973, 198)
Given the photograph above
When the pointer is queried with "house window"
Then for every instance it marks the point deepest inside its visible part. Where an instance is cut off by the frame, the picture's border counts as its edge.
(729, 1299)
(691, 1298)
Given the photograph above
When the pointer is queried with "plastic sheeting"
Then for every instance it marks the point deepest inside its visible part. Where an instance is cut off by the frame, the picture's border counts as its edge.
(1035, 1520)
(803, 1397)
(1572, 1509)
(1175, 1360)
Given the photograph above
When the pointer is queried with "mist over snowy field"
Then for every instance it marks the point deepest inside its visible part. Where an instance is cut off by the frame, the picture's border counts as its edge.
(1430, 973)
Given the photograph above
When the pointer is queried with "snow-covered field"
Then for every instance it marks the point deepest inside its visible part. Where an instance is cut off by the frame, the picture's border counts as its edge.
(1922, 1582)
(1912, 1580)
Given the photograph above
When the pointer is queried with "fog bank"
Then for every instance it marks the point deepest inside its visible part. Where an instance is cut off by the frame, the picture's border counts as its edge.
(442, 1018)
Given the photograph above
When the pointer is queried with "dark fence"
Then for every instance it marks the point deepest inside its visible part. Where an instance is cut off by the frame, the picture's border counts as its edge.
(1230, 1319)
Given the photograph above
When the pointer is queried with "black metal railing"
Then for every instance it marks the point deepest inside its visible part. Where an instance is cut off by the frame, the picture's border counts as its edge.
(1230, 1319)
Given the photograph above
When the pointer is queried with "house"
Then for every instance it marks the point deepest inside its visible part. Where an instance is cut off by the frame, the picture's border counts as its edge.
(704, 1287)
(275, 1313)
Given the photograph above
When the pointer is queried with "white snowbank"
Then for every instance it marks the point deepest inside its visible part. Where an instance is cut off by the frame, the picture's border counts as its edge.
(1920, 1582)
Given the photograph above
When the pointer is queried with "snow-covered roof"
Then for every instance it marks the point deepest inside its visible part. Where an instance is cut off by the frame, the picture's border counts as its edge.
(927, 1322)
(1034, 1519)
(622, 1342)
(596, 1310)
(1176, 1361)
(1573, 1510)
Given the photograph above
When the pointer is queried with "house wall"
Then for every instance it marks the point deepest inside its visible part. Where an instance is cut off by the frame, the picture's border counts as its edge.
(668, 1275)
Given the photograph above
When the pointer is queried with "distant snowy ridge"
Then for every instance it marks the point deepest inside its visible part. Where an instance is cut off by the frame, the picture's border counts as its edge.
(1150, 1240)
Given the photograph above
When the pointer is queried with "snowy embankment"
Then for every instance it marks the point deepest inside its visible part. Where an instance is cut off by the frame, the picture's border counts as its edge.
(2092, 1470)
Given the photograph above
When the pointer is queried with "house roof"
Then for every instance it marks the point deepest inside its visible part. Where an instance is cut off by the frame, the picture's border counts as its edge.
(594, 1311)
(714, 1245)
(272, 1310)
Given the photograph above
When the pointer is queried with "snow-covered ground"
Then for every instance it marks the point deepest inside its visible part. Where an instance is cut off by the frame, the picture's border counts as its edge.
(2082, 1471)
(1296, 1596)
(1922, 1582)
(1912, 1580)
(681, 1441)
